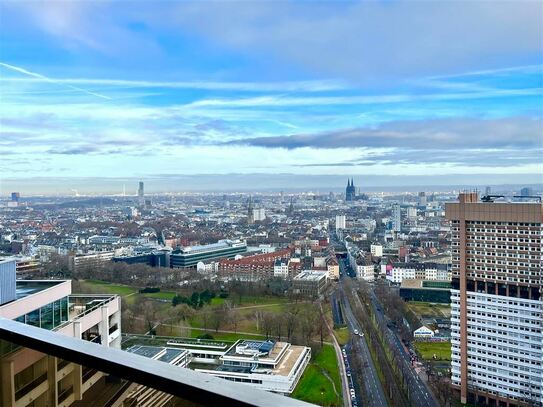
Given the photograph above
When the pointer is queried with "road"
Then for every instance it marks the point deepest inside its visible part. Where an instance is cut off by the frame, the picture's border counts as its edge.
(373, 390)
(419, 394)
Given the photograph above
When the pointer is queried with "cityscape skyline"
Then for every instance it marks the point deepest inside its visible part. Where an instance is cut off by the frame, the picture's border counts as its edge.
(263, 183)
(89, 90)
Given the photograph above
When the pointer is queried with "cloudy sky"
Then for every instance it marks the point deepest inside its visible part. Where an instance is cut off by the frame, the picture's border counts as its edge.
(92, 89)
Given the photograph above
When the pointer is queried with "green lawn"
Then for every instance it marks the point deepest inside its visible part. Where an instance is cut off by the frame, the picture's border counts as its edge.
(426, 309)
(224, 336)
(217, 301)
(97, 286)
(161, 295)
(342, 335)
(442, 350)
(250, 300)
(314, 386)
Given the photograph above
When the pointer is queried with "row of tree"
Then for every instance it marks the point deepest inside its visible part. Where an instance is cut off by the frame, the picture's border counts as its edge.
(196, 299)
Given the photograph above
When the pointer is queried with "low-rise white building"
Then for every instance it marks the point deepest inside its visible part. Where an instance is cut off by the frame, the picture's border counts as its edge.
(364, 269)
(280, 268)
(423, 332)
(268, 365)
(376, 250)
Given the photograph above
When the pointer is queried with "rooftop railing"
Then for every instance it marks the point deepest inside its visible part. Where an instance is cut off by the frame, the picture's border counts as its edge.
(183, 383)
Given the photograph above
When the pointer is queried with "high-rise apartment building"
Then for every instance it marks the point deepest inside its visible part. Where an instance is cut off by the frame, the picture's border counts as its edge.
(340, 222)
(397, 218)
(497, 309)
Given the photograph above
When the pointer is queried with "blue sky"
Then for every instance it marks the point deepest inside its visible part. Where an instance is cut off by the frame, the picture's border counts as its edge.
(150, 89)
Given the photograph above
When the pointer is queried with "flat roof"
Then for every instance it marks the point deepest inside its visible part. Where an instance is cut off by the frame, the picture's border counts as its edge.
(310, 275)
(222, 244)
(157, 352)
(24, 288)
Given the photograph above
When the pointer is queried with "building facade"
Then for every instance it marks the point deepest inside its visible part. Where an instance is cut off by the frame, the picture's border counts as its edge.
(191, 255)
(497, 310)
(340, 222)
(30, 378)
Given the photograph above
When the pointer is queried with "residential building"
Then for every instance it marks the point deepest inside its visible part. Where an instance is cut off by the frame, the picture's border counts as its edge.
(340, 222)
(419, 271)
(376, 250)
(397, 218)
(364, 269)
(332, 266)
(280, 268)
(497, 308)
(256, 267)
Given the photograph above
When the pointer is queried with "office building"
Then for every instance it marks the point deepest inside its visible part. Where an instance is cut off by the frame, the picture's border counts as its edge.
(340, 222)
(89, 261)
(14, 202)
(310, 283)
(190, 256)
(422, 199)
(497, 309)
(268, 365)
(152, 258)
(526, 191)
(274, 366)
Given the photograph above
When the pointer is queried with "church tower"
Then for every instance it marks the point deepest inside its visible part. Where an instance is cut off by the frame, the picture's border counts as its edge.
(350, 191)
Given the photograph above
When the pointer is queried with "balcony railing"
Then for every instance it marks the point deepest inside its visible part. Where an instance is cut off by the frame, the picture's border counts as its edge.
(185, 384)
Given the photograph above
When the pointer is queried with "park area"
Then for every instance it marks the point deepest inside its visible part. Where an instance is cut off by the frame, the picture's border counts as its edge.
(232, 318)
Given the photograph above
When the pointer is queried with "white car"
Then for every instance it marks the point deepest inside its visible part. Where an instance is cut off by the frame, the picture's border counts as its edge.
(356, 331)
